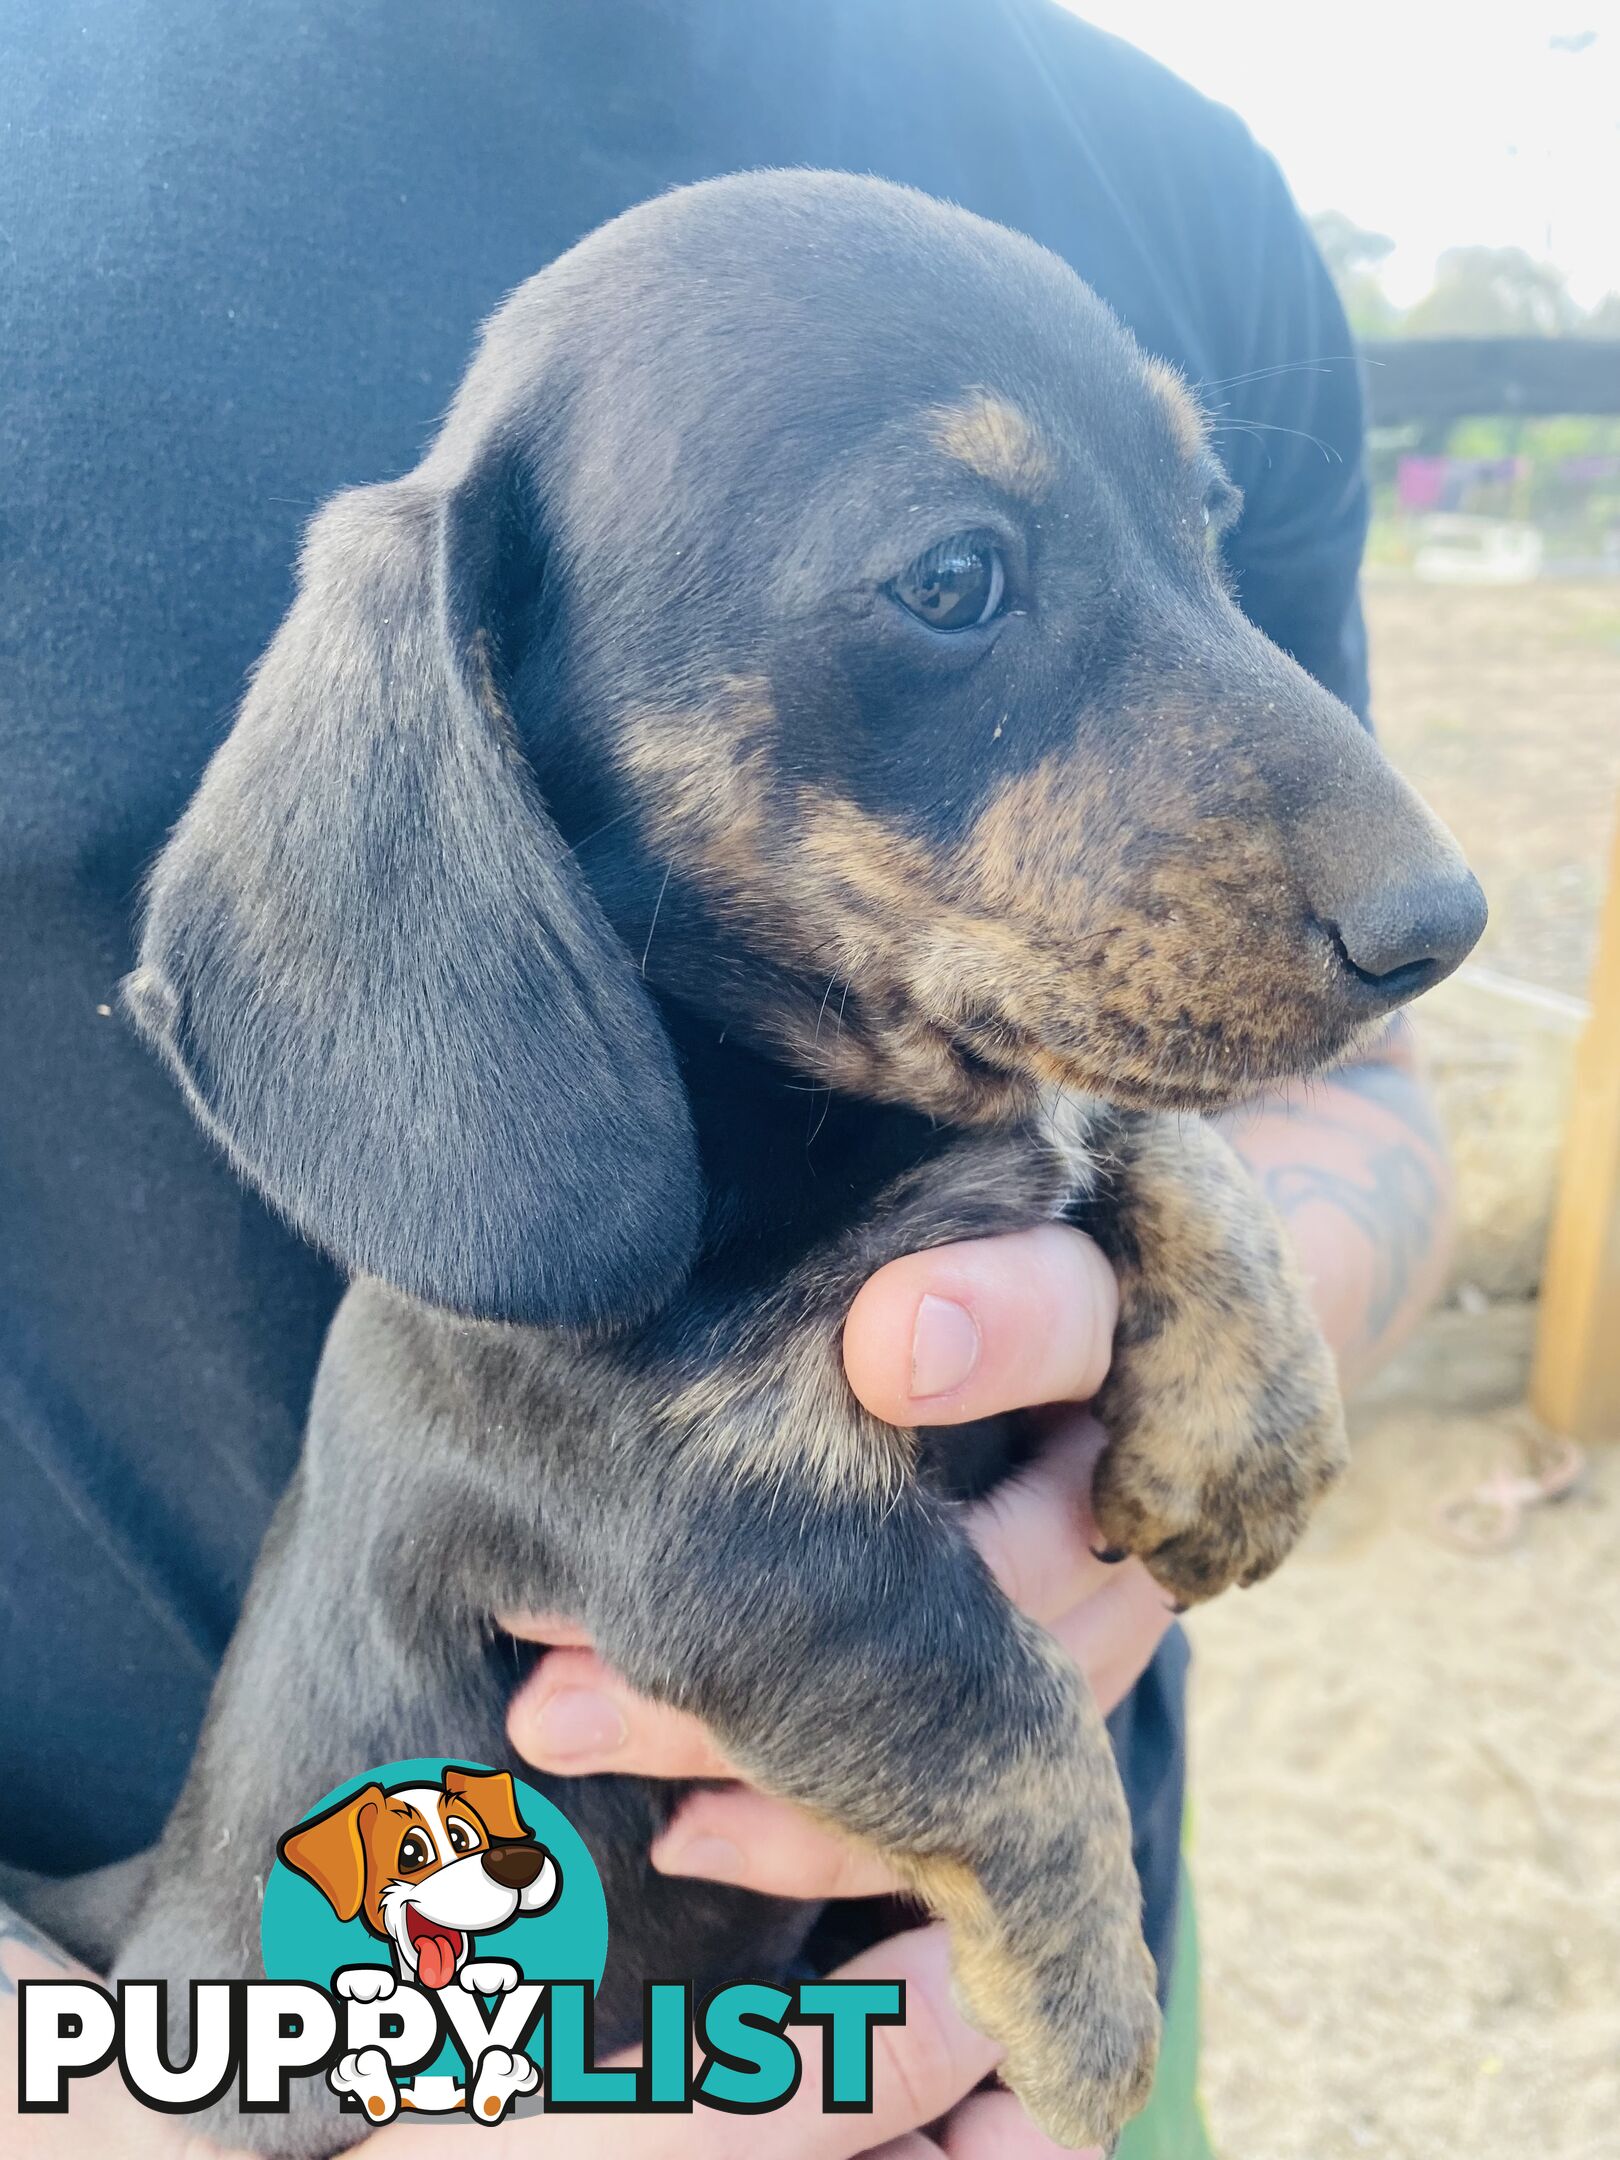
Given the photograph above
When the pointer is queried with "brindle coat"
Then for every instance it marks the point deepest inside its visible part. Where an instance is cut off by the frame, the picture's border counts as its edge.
(598, 795)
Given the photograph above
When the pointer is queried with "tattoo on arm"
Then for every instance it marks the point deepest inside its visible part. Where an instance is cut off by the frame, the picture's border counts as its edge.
(1395, 1207)
(1383, 1176)
(1394, 1089)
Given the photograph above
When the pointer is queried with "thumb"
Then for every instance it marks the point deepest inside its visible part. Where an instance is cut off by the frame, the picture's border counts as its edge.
(966, 1331)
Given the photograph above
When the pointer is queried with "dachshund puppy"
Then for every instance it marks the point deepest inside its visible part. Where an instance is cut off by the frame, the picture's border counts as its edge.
(781, 785)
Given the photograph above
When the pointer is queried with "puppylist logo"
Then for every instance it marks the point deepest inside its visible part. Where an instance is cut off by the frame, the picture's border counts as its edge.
(433, 1937)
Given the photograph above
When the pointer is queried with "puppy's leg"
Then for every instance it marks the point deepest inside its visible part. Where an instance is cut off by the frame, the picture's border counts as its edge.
(782, 1572)
(1222, 1404)
(855, 1657)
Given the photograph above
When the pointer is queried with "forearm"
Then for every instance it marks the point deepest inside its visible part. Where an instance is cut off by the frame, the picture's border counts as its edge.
(1356, 1166)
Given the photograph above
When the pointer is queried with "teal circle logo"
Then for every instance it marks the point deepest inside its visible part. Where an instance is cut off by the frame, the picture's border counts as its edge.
(442, 1876)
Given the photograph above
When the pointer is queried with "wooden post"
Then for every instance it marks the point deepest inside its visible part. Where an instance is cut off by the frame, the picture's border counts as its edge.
(1575, 1380)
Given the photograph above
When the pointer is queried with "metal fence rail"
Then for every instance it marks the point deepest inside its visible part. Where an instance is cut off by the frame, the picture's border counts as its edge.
(1428, 380)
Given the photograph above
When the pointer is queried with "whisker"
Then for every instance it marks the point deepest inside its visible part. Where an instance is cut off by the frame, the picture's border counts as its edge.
(601, 829)
(1322, 364)
(653, 925)
(811, 1138)
(822, 1014)
(1273, 427)
(1237, 427)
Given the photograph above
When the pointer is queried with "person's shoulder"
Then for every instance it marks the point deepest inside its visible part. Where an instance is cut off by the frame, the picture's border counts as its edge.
(1118, 79)
(1187, 185)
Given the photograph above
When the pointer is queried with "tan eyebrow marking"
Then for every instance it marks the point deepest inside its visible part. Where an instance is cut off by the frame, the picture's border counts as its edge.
(1187, 422)
(993, 438)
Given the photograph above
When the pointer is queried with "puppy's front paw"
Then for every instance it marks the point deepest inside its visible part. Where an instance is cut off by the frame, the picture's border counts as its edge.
(1222, 1405)
(1212, 1485)
(364, 1983)
(489, 1976)
(1085, 2097)
(1081, 2032)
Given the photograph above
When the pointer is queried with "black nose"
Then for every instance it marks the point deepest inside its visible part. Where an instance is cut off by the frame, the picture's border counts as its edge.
(514, 1867)
(1397, 939)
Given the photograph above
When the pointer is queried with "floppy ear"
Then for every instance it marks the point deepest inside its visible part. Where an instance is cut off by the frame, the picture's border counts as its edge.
(493, 1799)
(374, 967)
(331, 1851)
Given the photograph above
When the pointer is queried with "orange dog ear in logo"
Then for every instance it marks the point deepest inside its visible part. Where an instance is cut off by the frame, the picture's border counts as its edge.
(331, 1850)
(493, 1799)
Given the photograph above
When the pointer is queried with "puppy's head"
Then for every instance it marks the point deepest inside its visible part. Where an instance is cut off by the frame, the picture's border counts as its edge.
(811, 611)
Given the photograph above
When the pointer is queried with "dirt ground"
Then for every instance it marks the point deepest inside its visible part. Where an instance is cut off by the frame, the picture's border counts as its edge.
(1406, 1769)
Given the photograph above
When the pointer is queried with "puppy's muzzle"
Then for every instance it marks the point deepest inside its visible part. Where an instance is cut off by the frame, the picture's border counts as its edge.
(514, 1867)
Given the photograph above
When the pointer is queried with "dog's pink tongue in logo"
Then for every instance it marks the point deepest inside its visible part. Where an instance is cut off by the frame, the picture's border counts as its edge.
(437, 1949)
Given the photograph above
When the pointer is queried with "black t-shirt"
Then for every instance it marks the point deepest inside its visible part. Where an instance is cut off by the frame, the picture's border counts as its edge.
(243, 251)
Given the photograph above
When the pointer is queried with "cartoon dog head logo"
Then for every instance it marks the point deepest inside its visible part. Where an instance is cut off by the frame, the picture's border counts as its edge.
(428, 1868)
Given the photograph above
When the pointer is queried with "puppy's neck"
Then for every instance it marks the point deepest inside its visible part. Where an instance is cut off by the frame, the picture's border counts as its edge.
(786, 1163)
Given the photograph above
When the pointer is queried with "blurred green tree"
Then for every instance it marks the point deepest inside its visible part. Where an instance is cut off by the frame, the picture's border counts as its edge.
(1604, 319)
(1484, 292)
(1353, 254)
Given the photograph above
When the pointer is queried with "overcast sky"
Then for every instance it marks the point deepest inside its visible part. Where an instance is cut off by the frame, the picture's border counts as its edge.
(1435, 122)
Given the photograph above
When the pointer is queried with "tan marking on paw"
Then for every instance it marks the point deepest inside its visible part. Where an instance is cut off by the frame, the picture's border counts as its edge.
(1083, 2074)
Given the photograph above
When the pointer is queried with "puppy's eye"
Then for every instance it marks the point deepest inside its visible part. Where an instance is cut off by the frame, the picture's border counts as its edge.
(415, 1851)
(461, 1838)
(959, 584)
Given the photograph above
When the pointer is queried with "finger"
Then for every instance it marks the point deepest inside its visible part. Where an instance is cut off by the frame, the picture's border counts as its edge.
(743, 1837)
(912, 2147)
(992, 2126)
(920, 2069)
(967, 1330)
(575, 1714)
(1036, 1532)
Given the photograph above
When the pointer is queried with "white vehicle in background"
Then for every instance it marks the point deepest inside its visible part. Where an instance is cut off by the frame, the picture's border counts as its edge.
(1457, 550)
